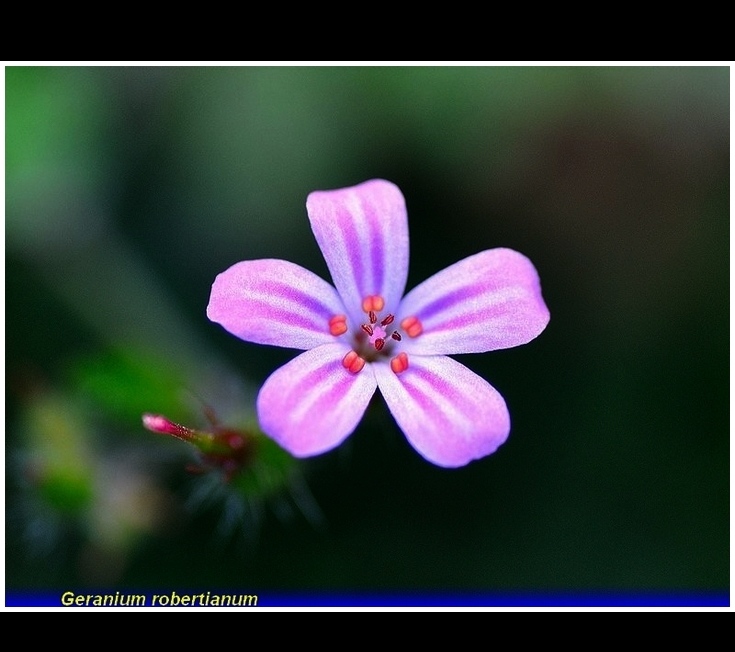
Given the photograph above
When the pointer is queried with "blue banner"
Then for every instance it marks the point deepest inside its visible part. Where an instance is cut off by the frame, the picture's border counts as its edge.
(234, 598)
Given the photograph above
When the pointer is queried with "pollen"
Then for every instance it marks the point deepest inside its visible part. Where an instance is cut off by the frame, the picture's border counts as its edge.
(353, 362)
(399, 364)
(412, 326)
(338, 325)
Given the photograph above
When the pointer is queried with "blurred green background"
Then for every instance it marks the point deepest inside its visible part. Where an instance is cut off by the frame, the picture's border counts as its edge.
(129, 188)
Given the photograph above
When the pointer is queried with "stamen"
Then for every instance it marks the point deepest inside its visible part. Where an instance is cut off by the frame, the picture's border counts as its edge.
(338, 325)
(373, 302)
(412, 326)
(399, 364)
(372, 305)
(353, 362)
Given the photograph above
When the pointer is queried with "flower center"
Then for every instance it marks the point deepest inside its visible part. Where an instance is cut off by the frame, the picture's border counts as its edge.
(372, 339)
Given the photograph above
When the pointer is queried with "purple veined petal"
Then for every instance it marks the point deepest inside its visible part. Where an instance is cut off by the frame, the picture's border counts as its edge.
(311, 404)
(274, 302)
(363, 234)
(489, 301)
(448, 413)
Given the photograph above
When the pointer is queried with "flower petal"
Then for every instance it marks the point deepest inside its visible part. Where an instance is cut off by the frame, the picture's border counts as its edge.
(448, 413)
(489, 301)
(363, 234)
(274, 302)
(311, 404)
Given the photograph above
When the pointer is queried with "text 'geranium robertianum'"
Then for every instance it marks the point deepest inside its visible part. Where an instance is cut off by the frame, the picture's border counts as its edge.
(365, 334)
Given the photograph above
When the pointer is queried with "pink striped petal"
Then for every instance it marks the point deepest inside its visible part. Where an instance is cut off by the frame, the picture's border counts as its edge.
(311, 404)
(489, 301)
(274, 302)
(449, 414)
(363, 234)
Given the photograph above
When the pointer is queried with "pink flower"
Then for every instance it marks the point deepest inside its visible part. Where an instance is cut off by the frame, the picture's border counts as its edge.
(365, 334)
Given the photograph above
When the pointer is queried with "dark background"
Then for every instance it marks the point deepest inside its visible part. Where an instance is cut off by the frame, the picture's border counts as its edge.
(128, 189)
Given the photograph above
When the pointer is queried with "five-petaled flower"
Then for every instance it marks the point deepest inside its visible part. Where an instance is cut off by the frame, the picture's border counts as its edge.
(365, 334)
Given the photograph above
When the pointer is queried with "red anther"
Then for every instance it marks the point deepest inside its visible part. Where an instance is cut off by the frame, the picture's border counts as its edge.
(357, 365)
(373, 318)
(353, 362)
(412, 326)
(388, 320)
(396, 336)
(399, 364)
(367, 329)
(373, 302)
(349, 359)
(379, 343)
(338, 325)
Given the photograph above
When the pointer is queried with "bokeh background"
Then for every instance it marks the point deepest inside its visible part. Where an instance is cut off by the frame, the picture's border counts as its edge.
(129, 188)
